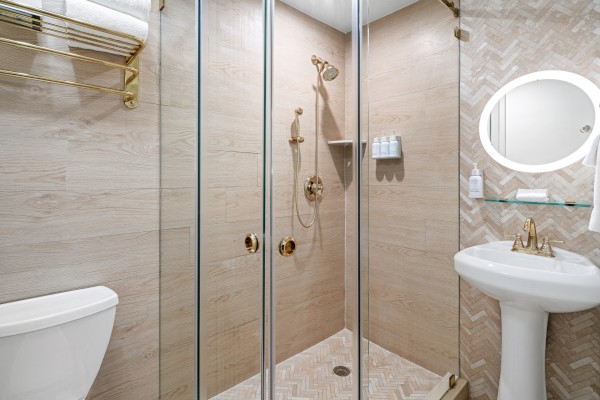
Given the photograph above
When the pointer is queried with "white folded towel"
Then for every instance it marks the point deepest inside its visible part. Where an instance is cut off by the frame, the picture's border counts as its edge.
(30, 3)
(540, 195)
(92, 13)
(139, 9)
(591, 160)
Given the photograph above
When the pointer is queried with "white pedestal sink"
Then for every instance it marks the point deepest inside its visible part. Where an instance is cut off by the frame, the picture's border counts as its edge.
(528, 288)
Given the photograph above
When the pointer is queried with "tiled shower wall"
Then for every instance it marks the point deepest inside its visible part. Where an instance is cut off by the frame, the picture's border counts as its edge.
(79, 195)
(504, 40)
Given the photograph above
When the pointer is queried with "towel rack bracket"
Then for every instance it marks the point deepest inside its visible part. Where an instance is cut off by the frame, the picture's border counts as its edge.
(132, 82)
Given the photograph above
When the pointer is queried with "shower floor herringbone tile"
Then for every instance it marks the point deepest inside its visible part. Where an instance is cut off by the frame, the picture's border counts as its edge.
(309, 375)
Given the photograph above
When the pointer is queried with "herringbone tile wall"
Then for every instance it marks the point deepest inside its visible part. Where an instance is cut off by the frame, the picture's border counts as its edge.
(505, 39)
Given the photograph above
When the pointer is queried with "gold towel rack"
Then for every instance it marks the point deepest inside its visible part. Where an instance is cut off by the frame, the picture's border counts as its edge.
(55, 25)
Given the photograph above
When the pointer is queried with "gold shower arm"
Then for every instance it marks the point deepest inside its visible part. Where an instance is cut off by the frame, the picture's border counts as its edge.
(24, 17)
(452, 7)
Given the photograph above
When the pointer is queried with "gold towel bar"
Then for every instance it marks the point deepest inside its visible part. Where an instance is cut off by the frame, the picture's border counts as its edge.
(29, 18)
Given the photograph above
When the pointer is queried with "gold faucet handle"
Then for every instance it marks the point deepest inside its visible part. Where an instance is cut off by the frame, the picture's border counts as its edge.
(546, 249)
(518, 243)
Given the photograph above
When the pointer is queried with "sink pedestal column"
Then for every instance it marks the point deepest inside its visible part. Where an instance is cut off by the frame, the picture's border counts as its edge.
(523, 367)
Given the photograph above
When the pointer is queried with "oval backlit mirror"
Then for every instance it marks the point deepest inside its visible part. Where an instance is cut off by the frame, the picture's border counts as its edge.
(542, 121)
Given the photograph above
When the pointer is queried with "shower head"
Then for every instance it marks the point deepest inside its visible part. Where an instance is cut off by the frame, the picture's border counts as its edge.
(329, 71)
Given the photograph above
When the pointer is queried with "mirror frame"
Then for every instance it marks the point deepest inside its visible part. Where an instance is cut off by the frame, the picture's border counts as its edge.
(587, 86)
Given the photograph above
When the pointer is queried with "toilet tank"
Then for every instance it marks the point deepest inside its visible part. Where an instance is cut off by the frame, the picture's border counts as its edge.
(51, 347)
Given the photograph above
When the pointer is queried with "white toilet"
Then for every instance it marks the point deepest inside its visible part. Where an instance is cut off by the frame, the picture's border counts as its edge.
(51, 347)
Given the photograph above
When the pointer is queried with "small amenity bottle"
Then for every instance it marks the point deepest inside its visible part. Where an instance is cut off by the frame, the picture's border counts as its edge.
(395, 148)
(476, 183)
(376, 148)
(385, 147)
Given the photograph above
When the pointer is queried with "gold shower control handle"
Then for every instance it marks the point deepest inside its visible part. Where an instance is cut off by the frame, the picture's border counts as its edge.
(251, 242)
(287, 246)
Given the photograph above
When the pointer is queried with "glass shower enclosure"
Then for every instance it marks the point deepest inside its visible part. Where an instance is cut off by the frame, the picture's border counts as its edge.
(308, 285)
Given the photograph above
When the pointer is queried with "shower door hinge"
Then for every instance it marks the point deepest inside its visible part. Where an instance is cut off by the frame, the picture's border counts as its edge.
(457, 32)
(161, 4)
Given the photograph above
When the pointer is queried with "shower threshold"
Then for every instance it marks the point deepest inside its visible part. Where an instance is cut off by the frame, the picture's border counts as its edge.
(309, 375)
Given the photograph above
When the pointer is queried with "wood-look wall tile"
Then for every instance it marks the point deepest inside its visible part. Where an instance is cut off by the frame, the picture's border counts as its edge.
(178, 208)
(32, 164)
(112, 166)
(231, 169)
(234, 356)
(175, 249)
(177, 308)
(71, 215)
(439, 203)
(234, 295)
(178, 374)
(81, 263)
(141, 125)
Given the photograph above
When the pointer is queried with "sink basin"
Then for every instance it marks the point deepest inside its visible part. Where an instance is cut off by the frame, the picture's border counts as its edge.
(528, 287)
(566, 283)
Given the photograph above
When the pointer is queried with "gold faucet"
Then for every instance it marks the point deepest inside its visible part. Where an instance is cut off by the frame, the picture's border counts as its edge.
(530, 228)
(531, 246)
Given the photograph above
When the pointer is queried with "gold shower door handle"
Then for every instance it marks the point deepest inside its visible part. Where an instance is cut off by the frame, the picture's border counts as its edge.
(251, 242)
(287, 246)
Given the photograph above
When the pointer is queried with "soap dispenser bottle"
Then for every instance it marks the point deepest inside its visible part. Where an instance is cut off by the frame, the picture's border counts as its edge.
(384, 150)
(376, 148)
(395, 146)
(476, 183)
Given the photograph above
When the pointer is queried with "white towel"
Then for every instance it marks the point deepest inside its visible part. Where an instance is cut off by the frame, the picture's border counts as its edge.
(95, 14)
(591, 160)
(139, 9)
(29, 3)
(540, 195)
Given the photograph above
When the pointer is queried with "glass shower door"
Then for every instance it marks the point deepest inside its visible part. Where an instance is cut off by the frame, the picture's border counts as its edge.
(311, 173)
(231, 201)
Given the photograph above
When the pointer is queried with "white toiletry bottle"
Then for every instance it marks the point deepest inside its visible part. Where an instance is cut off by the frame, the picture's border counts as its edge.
(376, 148)
(476, 183)
(385, 147)
(395, 148)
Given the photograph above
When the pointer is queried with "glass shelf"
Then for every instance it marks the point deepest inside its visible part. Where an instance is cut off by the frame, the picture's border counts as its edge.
(343, 142)
(544, 203)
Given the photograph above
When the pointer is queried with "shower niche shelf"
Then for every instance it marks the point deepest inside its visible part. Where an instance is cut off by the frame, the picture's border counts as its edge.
(343, 142)
(543, 203)
(70, 30)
